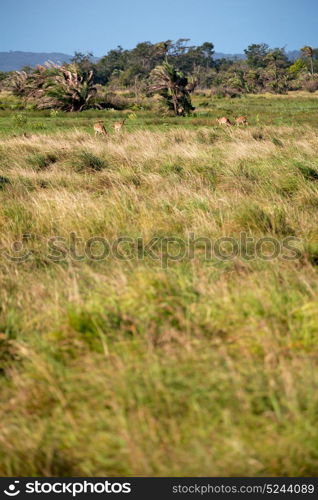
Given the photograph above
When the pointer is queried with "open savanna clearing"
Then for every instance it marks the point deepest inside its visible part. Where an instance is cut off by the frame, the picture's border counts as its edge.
(195, 356)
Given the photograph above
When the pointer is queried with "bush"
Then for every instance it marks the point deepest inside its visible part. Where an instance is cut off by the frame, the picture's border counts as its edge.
(309, 173)
(89, 161)
(277, 142)
(10, 101)
(110, 100)
(4, 181)
(220, 92)
(20, 120)
(41, 161)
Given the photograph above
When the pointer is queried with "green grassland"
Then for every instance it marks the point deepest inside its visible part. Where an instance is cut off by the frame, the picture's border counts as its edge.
(129, 365)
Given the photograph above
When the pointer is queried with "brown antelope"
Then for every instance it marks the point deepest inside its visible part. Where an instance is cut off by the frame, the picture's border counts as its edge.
(241, 120)
(99, 128)
(119, 125)
(224, 121)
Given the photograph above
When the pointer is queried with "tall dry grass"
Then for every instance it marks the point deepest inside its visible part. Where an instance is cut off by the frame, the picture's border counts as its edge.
(130, 367)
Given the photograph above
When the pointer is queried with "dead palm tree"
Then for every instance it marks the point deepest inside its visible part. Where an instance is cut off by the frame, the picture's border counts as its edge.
(71, 91)
(19, 83)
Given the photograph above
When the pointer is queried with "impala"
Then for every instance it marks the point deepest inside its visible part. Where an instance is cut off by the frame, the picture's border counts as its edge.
(241, 120)
(119, 125)
(224, 121)
(99, 128)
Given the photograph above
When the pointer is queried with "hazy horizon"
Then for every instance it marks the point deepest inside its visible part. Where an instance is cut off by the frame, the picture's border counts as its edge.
(66, 27)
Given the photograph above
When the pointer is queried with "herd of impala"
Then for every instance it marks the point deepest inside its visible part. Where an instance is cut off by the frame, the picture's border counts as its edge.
(239, 120)
(99, 127)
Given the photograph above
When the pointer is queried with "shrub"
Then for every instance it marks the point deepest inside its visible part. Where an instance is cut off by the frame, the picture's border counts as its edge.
(89, 161)
(220, 92)
(308, 172)
(20, 120)
(110, 100)
(41, 161)
(277, 142)
(258, 136)
(4, 181)
(254, 217)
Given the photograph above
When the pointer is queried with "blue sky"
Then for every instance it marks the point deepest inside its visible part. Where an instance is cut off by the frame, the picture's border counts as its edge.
(99, 25)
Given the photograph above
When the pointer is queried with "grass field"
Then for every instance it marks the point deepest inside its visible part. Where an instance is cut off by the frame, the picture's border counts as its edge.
(163, 362)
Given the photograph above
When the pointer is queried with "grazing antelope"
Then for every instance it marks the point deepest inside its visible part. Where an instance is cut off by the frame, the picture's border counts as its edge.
(119, 125)
(241, 120)
(224, 121)
(99, 128)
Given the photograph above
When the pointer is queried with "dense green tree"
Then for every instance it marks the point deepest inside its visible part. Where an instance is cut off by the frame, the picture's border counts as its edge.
(297, 68)
(190, 59)
(256, 55)
(223, 64)
(276, 66)
(116, 59)
(141, 60)
(146, 56)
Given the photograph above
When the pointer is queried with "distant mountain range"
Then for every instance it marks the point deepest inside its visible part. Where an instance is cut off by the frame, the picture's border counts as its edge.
(15, 60)
(11, 61)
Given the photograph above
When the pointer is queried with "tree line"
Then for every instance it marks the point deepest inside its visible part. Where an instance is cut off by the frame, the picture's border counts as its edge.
(171, 69)
(263, 69)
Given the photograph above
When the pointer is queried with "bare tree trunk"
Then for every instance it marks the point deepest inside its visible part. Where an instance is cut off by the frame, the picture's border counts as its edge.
(175, 103)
